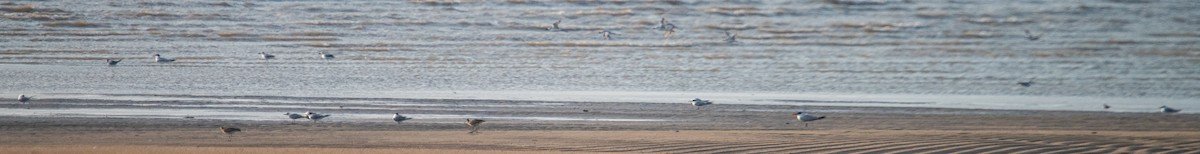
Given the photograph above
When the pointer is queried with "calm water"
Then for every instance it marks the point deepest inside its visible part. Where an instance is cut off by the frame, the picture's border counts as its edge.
(1128, 49)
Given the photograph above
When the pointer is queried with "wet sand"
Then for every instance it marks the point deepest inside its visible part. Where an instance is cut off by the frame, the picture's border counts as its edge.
(707, 141)
(721, 128)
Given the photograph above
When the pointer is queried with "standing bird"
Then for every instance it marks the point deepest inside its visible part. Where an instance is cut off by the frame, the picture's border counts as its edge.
(730, 38)
(700, 102)
(662, 24)
(159, 58)
(607, 34)
(1165, 109)
(22, 98)
(294, 116)
(230, 130)
(112, 62)
(1026, 83)
(1106, 106)
(1031, 37)
(266, 56)
(315, 116)
(326, 56)
(667, 27)
(805, 117)
(399, 118)
(554, 27)
(473, 125)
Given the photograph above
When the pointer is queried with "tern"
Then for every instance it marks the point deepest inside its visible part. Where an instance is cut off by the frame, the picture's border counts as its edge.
(326, 56)
(266, 56)
(607, 34)
(805, 117)
(294, 116)
(22, 98)
(399, 118)
(112, 62)
(1165, 109)
(700, 102)
(314, 116)
(1031, 37)
(159, 58)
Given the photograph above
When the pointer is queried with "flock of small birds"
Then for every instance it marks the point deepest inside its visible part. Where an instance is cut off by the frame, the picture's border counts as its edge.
(1034, 37)
(473, 124)
(665, 26)
(803, 117)
(159, 58)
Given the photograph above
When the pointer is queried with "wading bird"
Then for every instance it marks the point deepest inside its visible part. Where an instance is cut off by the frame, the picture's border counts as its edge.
(473, 125)
(230, 130)
(554, 27)
(662, 24)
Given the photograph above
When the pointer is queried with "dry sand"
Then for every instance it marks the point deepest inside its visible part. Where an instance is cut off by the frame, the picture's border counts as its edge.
(719, 141)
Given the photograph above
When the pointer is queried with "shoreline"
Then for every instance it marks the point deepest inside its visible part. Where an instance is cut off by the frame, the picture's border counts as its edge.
(74, 125)
(982, 102)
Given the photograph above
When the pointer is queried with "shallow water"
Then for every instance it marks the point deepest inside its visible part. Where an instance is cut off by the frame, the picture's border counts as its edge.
(1140, 54)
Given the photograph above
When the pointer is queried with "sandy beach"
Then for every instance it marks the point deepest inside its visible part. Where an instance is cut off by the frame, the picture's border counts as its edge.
(783, 141)
(680, 129)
